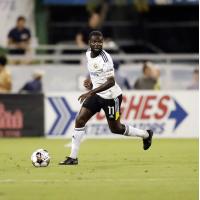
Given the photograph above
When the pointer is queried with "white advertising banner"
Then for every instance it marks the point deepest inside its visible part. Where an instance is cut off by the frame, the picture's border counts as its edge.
(168, 114)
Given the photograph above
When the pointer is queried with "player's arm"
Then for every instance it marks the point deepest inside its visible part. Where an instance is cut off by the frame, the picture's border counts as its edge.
(109, 74)
(108, 84)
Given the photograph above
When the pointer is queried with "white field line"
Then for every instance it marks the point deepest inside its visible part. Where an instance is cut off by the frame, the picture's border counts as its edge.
(2, 181)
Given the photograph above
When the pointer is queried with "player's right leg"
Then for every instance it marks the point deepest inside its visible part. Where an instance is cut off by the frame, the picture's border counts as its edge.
(82, 118)
(89, 108)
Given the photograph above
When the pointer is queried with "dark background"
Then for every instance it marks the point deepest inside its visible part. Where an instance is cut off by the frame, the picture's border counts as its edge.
(167, 28)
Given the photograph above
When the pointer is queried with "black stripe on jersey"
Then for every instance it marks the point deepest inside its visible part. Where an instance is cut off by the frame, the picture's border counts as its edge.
(104, 56)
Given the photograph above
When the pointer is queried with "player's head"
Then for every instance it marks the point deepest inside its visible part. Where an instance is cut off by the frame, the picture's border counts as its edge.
(96, 41)
(21, 20)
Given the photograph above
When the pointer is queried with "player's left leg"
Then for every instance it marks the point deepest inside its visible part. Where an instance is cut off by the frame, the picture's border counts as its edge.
(81, 119)
(117, 127)
(112, 111)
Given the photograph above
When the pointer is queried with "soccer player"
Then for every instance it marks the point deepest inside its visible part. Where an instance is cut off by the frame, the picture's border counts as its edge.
(104, 93)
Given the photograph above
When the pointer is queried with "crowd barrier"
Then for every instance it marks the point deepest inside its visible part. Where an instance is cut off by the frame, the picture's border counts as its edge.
(174, 76)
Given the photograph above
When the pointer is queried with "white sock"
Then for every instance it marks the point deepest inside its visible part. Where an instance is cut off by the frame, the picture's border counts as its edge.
(76, 141)
(132, 131)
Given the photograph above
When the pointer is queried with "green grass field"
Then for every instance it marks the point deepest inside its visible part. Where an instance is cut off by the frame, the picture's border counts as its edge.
(108, 170)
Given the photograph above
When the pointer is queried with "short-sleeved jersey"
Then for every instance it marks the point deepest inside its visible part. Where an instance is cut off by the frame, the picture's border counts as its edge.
(19, 35)
(100, 68)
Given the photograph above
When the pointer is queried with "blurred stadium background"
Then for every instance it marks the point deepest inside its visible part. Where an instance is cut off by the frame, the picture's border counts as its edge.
(163, 34)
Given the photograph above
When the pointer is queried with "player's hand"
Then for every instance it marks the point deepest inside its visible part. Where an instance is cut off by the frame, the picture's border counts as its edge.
(87, 84)
(85, 96)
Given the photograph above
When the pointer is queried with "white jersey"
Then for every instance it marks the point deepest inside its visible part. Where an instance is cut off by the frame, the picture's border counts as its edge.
(100, 68)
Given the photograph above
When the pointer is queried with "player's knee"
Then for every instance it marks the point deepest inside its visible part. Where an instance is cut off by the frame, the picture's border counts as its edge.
(80, 122)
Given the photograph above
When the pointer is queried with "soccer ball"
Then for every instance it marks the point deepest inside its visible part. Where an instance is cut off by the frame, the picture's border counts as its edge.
(40, 158)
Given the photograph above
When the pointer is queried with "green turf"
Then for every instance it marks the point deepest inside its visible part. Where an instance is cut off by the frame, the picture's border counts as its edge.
(108, 170)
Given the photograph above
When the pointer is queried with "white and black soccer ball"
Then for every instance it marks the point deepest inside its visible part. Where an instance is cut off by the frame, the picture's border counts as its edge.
(40, 158)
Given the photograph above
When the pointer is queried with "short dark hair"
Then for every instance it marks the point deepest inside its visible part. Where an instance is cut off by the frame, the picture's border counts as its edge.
(21, 18)
(96, 33)
(3, 60)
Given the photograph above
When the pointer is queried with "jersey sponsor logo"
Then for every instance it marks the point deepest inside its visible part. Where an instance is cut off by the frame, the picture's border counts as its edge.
(96, 73)
(95, 66)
